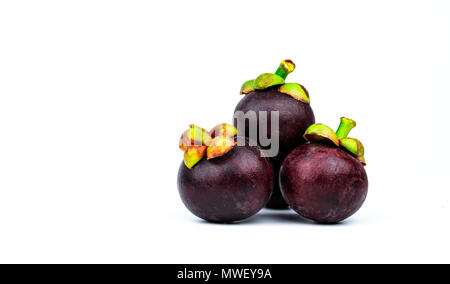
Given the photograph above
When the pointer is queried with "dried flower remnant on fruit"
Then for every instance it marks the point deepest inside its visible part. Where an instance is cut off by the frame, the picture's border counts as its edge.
(223, 129)
(219, 146)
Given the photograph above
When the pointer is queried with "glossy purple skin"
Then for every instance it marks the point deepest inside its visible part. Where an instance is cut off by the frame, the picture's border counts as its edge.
(323, 183)
(229, 188)
(294, 118)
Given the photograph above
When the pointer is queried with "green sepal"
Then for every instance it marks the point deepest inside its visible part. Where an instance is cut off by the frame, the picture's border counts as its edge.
(321, 133)
(355, 147)
(267, 80)
(296, 91)
(247, 87)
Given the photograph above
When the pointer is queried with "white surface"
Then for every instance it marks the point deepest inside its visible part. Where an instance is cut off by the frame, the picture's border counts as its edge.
(94, 96)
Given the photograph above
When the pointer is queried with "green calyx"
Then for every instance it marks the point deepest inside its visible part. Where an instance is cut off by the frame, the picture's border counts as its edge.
(322, 133)
(197, 142)
(267, 80)
(296, 91)
(353, 145)
(247, 87)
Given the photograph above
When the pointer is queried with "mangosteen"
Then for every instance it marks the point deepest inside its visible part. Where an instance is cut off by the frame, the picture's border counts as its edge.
(325, 180)
(266, 96)
(233, 183)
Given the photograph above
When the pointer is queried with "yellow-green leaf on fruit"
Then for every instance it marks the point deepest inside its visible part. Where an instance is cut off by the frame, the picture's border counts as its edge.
(193, 154)
(296, 91)
(219, 146)
(194, 136)
(355, 147)
(267, 80)
(247, 87)
(223, 129)
(321, 133)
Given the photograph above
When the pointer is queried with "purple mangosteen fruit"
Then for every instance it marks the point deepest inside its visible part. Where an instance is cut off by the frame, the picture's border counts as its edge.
(269, 95)
(233, 183)
(325, 180)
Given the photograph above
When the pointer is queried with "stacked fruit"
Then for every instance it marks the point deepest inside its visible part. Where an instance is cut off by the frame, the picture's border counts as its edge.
(317, 172)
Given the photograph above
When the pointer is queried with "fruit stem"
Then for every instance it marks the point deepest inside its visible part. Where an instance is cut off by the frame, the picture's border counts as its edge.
(286, 67)
(344, 128)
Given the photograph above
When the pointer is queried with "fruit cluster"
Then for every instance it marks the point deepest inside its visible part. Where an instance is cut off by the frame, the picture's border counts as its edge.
(317, 172)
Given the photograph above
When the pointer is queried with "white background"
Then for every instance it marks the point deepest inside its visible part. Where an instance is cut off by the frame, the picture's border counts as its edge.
(95, 94)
